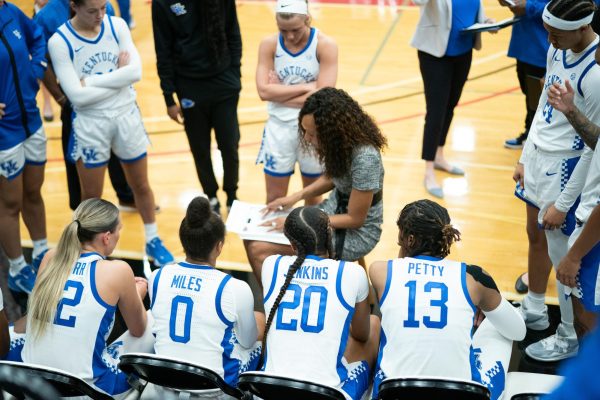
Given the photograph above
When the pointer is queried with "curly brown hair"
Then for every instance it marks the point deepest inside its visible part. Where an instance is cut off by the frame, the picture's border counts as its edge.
(342, 126)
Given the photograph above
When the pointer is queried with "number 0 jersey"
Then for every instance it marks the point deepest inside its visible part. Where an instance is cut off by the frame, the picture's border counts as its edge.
(309, 332)
(427, 319)
(76, 341)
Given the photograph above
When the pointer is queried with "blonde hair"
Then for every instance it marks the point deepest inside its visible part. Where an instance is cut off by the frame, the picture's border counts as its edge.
(93, 216)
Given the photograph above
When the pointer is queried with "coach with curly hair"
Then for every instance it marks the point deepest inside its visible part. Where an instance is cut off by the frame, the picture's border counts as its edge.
(348, 143)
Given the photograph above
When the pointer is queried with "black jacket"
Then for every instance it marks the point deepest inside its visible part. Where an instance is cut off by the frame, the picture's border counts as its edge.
(182, 49)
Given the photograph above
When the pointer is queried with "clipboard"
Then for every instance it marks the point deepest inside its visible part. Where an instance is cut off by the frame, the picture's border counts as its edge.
(245, 219)
(483, 27)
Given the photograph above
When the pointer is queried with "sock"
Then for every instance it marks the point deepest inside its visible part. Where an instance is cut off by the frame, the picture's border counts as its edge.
(16, 265)
(566, 311)
(39, 246)
(535, 301)
(151, 231)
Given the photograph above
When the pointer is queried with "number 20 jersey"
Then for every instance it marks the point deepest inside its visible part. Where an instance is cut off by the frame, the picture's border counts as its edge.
(427, 319)
(309, 332)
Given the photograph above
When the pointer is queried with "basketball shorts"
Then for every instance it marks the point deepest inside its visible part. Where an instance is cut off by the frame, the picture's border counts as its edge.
(545, 178)
(32, 151)
(357, 382)
(281, 149)
(94, 136)
(588, 280)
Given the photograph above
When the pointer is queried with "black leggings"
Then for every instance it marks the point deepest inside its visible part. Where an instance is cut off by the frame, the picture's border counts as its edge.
(443, 81)
(530, 78)
(200, 117)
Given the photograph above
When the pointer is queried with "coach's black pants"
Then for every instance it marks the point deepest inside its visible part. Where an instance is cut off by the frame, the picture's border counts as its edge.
(443, 81)
(530, 81)
(115, 170)
(201, 115)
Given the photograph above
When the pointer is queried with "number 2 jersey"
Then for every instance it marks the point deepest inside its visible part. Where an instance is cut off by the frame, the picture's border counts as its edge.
(204, 316)
(76, 341)
(427, 320)
(308, 336)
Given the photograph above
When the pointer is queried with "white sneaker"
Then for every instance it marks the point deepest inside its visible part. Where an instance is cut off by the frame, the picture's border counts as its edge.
(554, 348)
(534, 319)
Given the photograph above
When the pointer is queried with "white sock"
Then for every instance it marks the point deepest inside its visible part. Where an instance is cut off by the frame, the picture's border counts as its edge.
(535, 301)
(566, 311)
(39, 246)
(16, 265)
(151, 231)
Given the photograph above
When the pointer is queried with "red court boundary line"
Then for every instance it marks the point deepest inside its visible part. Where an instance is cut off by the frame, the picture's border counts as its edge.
(382, 122)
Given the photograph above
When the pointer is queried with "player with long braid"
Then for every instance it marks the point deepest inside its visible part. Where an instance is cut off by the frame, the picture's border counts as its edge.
(320, 315)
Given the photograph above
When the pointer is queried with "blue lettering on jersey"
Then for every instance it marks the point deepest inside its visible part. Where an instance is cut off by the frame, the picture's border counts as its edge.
(548, 109)
(186, 282)
(296, 71)
(311, 272)
(425, 269)
(98, 58)
(79, 268)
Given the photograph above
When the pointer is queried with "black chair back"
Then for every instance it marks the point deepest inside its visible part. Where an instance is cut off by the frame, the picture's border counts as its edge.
(174, 374)
(270, 387)
(527, 396)
(19, 384)
(431, 389)
(63, 383)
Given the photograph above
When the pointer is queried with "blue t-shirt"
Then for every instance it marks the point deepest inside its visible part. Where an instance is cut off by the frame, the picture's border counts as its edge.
(529, 39)
(464, 14)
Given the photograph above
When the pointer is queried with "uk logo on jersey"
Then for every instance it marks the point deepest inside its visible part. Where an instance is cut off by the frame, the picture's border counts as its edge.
(17, 33)
(178, 9)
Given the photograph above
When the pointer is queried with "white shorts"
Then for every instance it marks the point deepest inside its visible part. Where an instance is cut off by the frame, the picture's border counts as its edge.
(93, 137)
(280, 150)
(545, 178)
(32, 151)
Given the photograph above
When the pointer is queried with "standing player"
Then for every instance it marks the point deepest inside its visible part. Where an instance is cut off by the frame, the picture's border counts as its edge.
(553, 173)
(96, 63)
(291, 65)
(320, 314)
(428, 308)
(202, 314)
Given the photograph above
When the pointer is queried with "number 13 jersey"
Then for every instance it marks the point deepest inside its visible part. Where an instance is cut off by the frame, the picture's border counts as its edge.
(310, 329)
(427, 319)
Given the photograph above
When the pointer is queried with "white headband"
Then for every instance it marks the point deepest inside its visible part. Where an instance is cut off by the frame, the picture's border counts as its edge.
(562, 24)
(292, 7)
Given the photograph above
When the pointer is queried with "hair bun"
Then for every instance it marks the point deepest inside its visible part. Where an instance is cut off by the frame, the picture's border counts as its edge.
(198, 211)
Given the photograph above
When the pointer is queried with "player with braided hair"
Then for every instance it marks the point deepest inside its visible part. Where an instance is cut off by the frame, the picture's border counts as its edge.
(320, 316)
(428, 306)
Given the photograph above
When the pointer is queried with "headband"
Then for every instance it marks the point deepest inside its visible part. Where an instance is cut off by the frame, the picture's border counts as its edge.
(292, 7)
(562, 24)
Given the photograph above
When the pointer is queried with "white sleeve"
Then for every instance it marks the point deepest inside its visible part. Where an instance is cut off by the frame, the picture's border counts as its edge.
(576, 182)
(70, 83)
(354, 283)
(507, 320)
(589, 88)
(245, 327)
(124, 76)
(1, 301)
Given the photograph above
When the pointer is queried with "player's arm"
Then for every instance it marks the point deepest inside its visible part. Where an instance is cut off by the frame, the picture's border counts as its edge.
(130, 297)
(78, 95)
(4, 335)
(569, 266)
(246, 329)
(322, 185)
(327, 52)
(276, 92)
(485, 295)
(378, 275)
(127, 74)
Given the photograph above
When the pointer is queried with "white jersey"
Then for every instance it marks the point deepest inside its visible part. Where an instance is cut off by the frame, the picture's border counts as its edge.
(76, 341)
(427, 318)
(590, 197)
(312, 323)
(551, 131)
(293, 69)
(196, 318)
(91, 57)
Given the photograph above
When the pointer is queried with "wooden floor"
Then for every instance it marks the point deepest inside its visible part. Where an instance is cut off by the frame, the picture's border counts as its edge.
(389, 86)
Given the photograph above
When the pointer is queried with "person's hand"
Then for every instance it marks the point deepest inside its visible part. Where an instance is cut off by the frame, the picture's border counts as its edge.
(491, 21)
(519, 174)
(175, 113)
(141, 285)
(519, 8)
(562, 98)
(567, 271)
(274, 78)
(275, 224)
(41, 3)
(2, 107)
(123, 59)
(553, 218)
(282, 203)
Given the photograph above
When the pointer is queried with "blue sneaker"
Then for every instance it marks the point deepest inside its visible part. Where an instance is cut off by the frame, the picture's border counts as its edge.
(23, 281)
(35, 263)
(157, 251)
(516, 143)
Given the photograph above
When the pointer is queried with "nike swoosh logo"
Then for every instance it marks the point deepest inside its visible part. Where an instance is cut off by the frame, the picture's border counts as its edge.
(285, 5)
(556, 58)
(76, 50)
(550, 174)
(278, 55)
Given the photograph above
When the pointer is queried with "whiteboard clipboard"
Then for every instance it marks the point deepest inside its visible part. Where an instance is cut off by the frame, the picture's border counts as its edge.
(245, 220)
(484, 27)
